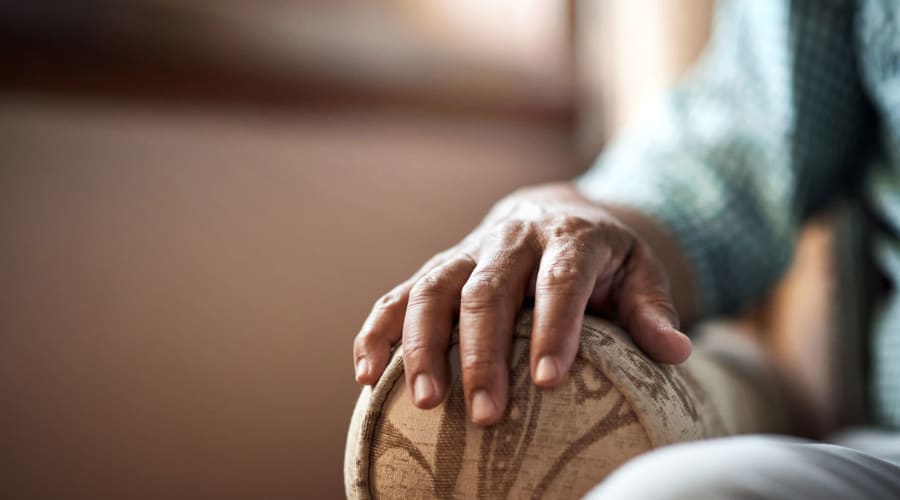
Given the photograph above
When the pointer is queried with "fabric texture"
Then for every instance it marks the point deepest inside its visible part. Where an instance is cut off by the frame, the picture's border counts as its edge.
(552, 443)
(755, 468)
(794, 103)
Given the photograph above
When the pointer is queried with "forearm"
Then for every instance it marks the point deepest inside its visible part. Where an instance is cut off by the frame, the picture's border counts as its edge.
(728, 166)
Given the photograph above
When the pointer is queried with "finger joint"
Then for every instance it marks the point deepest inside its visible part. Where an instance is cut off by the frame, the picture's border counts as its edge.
(483, 291)
(562, 277)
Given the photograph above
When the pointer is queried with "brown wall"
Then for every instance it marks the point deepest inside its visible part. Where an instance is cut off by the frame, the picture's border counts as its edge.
(180, 287)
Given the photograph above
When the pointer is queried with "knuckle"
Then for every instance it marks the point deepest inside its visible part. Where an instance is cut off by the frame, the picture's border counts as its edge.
(659, 301)
(516, 236)
(656, 301)
(483, 290)
(512, 227)
(390, 300)
(478, 362)
(562, 275)
(414, 347)
(431, 285)
(365, 341)
(559, 226)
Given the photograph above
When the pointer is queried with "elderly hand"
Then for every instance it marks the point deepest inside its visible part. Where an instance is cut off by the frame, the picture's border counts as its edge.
(548, 243)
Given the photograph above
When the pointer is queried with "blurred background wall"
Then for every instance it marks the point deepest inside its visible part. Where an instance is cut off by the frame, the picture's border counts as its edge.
(199, 201)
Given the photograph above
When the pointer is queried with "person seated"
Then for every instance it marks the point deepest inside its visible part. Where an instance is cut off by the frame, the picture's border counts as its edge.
(690, 214)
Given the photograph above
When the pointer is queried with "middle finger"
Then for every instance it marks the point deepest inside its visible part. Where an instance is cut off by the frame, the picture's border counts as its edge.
(489, 303)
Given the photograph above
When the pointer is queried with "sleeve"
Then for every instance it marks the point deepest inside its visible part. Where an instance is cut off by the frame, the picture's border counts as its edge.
(762, 132)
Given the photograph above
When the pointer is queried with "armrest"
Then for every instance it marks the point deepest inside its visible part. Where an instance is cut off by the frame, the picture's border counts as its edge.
(551, 443)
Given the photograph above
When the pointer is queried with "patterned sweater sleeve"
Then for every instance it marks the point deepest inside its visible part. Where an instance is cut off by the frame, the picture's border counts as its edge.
(757, 136)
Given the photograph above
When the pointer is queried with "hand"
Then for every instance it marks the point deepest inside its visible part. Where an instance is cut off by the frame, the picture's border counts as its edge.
(548, 243)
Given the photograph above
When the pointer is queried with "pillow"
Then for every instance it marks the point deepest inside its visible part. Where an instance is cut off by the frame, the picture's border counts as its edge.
(551, 443)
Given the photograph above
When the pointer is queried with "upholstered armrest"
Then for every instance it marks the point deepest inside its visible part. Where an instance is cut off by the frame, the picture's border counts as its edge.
(551, 443)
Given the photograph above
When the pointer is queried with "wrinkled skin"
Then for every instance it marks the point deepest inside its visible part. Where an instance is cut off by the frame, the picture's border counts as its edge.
(548, 243)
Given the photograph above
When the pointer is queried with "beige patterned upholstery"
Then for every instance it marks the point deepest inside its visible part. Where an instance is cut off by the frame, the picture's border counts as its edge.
(552, 443)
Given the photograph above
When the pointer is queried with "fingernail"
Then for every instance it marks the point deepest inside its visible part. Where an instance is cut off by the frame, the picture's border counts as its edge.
(362, 368)
(686, 341)
(483, 407)
(546, 371)
(680, 336)
(423, 388)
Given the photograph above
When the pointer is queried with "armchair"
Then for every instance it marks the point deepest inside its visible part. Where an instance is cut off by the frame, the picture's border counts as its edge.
(552, 443)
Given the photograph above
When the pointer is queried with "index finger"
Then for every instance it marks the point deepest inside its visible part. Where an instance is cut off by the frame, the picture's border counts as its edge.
(384, 326)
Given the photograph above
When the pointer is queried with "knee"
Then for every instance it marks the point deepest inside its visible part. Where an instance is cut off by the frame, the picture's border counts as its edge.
(722, 468)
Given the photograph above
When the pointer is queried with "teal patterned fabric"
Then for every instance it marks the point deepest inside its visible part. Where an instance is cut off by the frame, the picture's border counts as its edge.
(794, 103)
